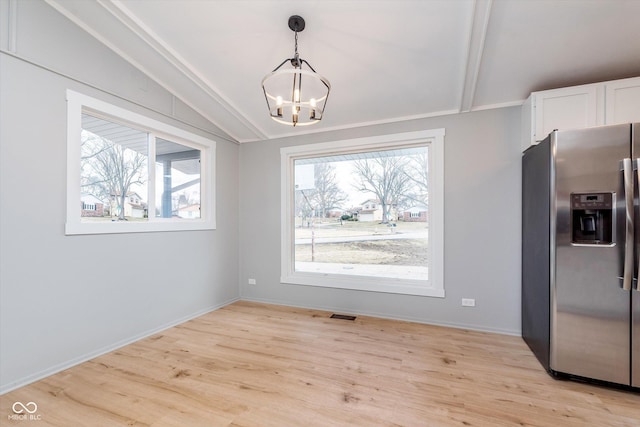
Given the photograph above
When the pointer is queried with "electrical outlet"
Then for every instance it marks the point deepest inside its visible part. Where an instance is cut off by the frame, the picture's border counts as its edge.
(468, 302)
(252, 281)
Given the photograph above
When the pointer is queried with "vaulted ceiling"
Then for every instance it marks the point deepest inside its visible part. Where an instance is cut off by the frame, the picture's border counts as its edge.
(387, 60)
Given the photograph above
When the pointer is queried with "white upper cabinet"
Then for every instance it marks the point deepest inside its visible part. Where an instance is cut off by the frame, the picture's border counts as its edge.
(578, 107)
(567, 108)
(622, 99)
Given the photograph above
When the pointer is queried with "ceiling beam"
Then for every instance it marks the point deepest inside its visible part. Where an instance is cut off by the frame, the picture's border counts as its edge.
(9, 18)
(481, 15)
(127, 18)
(169, 69)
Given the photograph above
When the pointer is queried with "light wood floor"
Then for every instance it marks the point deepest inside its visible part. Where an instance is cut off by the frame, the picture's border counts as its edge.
(253, 364)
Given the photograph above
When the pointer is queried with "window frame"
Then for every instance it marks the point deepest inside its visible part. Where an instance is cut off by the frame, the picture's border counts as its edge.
(434, 286)
(77, 104)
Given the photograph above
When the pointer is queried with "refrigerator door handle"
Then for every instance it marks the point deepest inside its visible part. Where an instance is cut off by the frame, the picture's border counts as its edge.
(627, 275)
(637, 276)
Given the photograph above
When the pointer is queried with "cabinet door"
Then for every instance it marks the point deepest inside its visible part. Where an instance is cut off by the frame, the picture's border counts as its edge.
(622, 99)
(564, 109)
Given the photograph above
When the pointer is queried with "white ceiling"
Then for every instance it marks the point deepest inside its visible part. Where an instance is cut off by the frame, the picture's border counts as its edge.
(387, 60)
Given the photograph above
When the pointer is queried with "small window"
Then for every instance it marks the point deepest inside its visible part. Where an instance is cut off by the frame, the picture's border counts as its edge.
(145, 175)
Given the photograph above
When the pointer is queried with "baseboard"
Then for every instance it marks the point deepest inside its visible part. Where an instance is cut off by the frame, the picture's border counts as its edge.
(477, 328)
(6, 388)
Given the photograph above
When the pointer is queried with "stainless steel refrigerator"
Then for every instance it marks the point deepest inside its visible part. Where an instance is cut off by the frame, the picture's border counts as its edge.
(580, 253)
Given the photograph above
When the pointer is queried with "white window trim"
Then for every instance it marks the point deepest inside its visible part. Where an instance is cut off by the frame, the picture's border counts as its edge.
(76, 103)
(434, 286)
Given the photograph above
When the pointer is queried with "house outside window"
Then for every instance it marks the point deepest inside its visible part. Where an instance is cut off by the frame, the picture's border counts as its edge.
(370, 247)
(143, 171)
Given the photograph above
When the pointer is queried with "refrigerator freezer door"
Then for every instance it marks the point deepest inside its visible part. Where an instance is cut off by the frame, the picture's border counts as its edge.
(590, 312)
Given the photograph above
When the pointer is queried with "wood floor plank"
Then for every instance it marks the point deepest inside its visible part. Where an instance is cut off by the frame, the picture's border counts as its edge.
(251, 364)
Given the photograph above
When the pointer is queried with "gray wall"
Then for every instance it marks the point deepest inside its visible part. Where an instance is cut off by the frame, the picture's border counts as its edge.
(481, 236)
(64, 299)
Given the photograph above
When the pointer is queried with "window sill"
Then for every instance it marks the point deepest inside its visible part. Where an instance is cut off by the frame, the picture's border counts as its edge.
(118, 227)
(364, 283)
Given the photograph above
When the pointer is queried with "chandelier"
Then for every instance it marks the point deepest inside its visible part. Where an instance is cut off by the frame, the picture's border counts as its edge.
(289, 101)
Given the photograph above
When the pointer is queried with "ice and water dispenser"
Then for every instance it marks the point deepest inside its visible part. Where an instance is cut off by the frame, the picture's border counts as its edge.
(592, 218)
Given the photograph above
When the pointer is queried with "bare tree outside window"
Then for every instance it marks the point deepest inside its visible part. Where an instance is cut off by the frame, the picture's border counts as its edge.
(111, 170)
(417, 171)
(385, 177)
(324, 196)
(327, 192)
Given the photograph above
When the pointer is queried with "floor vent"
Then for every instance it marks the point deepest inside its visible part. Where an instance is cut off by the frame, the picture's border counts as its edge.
(343, 317)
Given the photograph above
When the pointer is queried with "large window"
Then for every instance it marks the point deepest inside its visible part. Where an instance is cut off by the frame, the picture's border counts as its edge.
(365, 214)
(130, 173)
